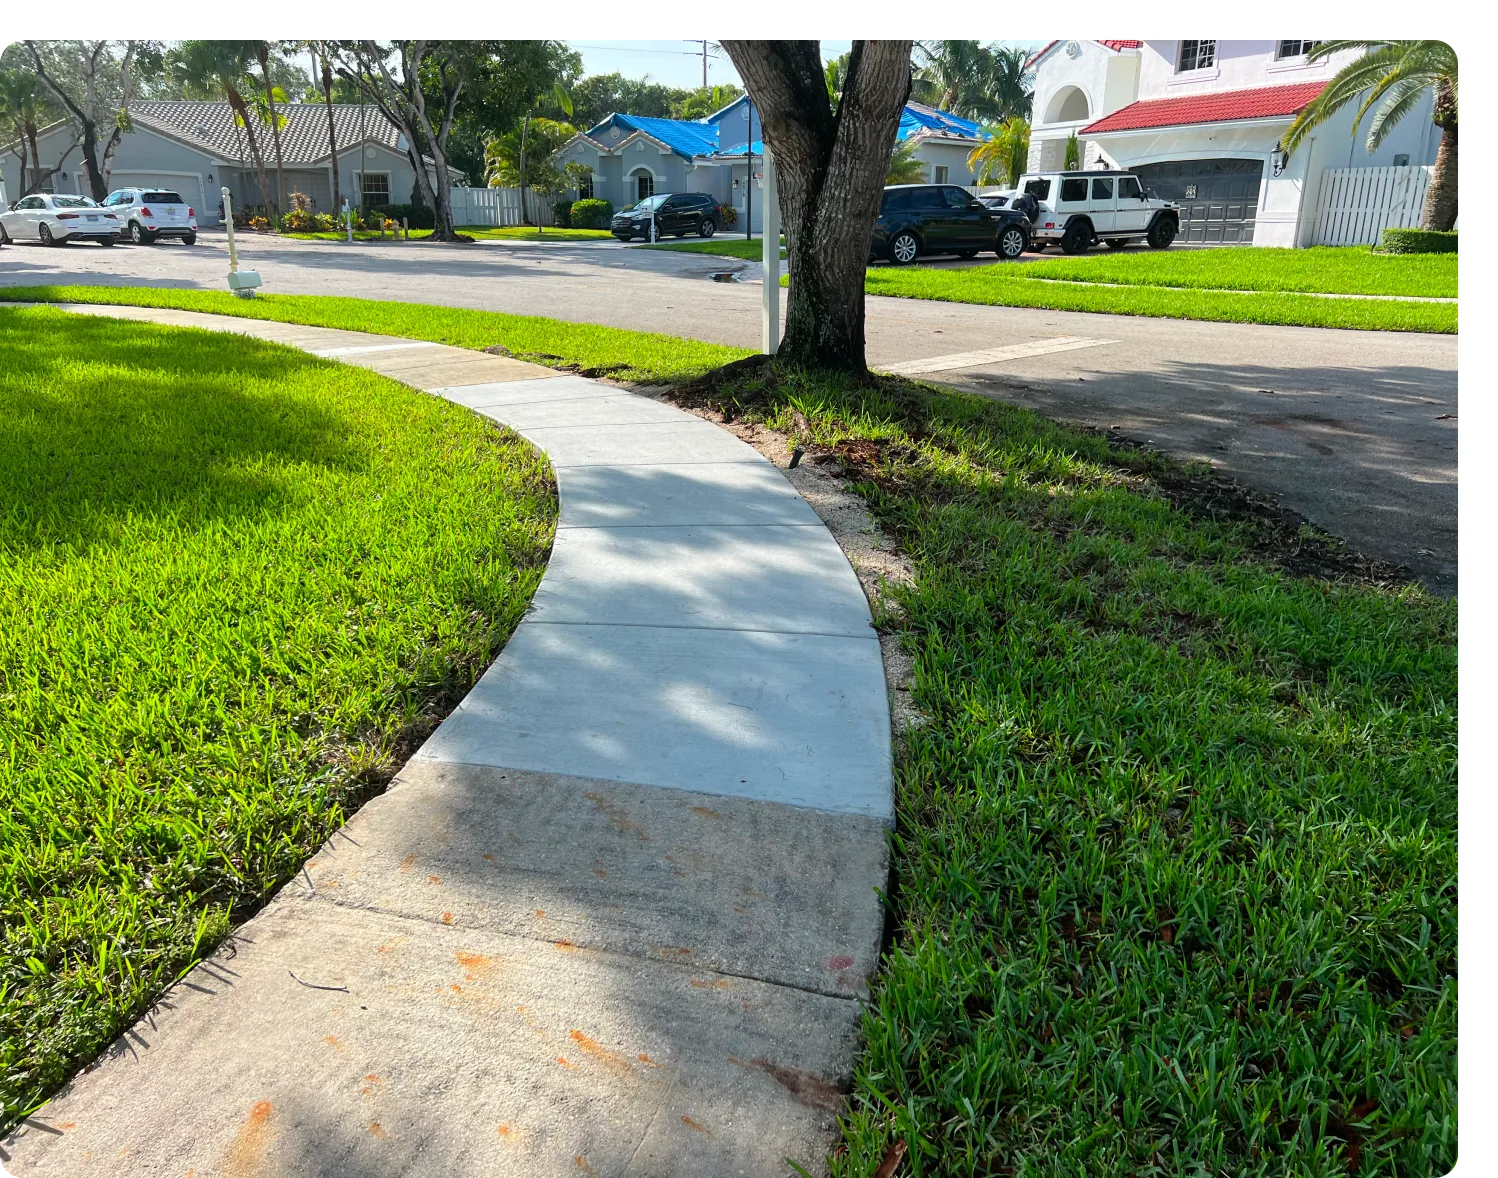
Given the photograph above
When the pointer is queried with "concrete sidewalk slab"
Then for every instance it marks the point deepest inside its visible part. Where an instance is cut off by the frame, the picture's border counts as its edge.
(798, 719)
(689, 439)
(792, 579)
(668, 494)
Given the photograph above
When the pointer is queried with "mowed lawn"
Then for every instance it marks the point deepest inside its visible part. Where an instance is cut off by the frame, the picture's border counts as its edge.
(238, 586)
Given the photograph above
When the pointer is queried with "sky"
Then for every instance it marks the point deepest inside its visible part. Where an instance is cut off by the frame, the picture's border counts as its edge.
(679, 63)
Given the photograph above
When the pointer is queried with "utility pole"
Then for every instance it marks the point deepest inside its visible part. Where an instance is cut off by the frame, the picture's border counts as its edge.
(704, 65)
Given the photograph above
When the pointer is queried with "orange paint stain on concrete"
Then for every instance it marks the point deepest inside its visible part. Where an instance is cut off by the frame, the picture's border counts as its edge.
(705, 812)
(447, 918)
(695, 1126)
(390, 944)
(434, 879)
(379, 1130)
(540, 914)
(334, 1042)
(617, 815)
(66, 1125)
(645, 1059)
(408, 862)
(246, 1153)
(719, 984)
(504, 1130)
(600, 873)
(615, 1063)
(488, 858)
(566, 946)
(456, 989)
(562, 1059)
(582, 1164)
(474, 963)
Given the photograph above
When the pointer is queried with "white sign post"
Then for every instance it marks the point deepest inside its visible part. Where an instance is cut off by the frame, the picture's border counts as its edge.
(348, 219)
(770, 237)
(242, 283)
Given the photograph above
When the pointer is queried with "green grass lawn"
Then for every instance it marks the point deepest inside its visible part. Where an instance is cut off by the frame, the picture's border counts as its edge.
(1009, 284)
(530, 233)
(238, 586)
(726, 246)
(1175, 863)
(1175, 859)
(1326, 269)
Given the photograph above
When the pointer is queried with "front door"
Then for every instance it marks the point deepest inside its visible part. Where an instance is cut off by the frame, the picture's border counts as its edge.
(1104, 215)
(1219, 199)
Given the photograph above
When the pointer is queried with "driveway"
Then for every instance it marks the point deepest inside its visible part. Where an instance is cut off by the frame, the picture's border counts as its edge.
(1355, 430)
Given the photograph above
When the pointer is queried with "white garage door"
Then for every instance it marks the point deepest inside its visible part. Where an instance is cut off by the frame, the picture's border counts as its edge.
(189, 187)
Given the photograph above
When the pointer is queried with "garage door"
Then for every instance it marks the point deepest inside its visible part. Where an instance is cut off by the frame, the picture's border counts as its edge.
(189, 188)
(1219, 199)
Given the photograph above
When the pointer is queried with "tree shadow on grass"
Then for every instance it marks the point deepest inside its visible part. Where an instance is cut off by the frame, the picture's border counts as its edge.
(101, 420)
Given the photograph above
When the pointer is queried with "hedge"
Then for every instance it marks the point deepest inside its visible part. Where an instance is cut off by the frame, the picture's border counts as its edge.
(1418, 241)
(592, 214)
(561, 213)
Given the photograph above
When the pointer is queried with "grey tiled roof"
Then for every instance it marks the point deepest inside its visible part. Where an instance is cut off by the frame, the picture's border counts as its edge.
(304, 138)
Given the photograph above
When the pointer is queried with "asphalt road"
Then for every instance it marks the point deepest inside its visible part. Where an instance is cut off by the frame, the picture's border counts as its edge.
(1356, 430)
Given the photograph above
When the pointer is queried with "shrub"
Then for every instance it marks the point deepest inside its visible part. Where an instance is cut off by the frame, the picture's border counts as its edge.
(591, 214)
(728, 216)
(561, 213)
(1418, 241)
(419, 216)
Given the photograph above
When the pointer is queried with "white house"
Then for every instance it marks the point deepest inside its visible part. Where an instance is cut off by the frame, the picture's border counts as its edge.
(196, 148)
(1201, 123)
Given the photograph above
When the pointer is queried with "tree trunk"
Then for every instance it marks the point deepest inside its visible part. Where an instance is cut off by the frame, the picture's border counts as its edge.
(1440, 198)
(830, 168)
(275, 126)
(242, 109)
(525, 126)
(327, 93)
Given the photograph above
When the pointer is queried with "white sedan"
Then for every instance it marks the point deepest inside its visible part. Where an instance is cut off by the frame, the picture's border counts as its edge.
(56, 219)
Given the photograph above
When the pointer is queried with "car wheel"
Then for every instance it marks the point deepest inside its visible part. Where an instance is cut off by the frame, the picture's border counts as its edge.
(1012, 243)
(1115, 244)
(44, 233)
(139, 235)
(903, 249)
(4, 236)
(189, 239)
(107, 241)
(705, 227)
(1161, 234)
(1076, 239)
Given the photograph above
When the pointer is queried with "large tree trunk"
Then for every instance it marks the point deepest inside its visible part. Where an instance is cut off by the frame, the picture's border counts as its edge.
(830, 168)
(1440, 198)
(327, 93)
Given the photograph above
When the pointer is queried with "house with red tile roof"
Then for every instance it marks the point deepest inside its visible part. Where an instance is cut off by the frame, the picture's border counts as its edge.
(1200, 122)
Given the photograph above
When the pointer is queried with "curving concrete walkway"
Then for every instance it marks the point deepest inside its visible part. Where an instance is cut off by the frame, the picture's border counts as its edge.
(616, 916)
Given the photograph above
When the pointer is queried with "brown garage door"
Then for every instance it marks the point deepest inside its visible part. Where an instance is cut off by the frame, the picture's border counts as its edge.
(1219, 199)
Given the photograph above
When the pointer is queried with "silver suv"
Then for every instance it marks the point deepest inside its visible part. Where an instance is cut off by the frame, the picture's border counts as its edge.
(1079, 209)
(148, 213)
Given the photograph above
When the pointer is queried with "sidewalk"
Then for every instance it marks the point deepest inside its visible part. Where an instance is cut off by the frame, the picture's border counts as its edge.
(615, 916)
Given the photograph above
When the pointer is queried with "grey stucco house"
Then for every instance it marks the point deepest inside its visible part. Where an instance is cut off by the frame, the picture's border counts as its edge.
(632, 156)
(196, 148)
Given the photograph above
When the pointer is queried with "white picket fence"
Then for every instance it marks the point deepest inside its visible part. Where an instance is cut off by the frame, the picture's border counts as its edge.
(1358, 204)
(499, 206)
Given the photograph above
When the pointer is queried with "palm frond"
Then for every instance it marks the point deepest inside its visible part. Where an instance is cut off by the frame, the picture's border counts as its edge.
(1402, 98)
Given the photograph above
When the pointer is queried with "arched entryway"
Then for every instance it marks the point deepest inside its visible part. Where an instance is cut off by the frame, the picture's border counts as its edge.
(1067, 105)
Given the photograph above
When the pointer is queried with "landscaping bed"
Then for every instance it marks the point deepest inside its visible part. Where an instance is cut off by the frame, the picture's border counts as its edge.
(238, 587)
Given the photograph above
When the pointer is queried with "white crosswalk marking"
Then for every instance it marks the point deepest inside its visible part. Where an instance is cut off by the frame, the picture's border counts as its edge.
(1040, 347)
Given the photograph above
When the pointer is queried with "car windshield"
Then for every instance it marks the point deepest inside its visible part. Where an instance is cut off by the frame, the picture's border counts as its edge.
(162, 198)
(650, 202)
(73, 202)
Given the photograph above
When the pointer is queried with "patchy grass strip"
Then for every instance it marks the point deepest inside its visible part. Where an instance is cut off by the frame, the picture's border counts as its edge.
(726, 247)
(596, 351)
(238, 586)
(1175, 864)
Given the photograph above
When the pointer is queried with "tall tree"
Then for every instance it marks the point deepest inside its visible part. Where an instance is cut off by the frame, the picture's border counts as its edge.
(91, 80)
(325, 68)
(556, 100)
(830, 164)
(595, 98)
(263, 50)
(220, 68)
(22, 107)
(956, 76)
(698, 104)
(1393, 76)
(1004, 154)
(1010, 86)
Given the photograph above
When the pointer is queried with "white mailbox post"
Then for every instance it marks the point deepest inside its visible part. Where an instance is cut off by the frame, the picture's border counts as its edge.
(241, 282)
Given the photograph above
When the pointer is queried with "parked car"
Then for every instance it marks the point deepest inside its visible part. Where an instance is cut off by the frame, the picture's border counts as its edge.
(56, 219)
(919, 219)
(148, 213)
(1076, 210)
(675, 214)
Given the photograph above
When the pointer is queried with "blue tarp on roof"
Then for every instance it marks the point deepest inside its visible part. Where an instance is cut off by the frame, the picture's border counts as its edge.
(917, 117)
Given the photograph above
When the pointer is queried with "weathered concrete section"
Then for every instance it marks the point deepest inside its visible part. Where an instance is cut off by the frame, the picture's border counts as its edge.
(452, 1051)
(617, 915)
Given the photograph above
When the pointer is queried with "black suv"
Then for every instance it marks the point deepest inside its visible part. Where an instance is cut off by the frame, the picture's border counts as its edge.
(676, 214)
(917, 219)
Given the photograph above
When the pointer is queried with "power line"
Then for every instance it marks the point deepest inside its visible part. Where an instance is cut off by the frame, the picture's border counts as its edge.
(624, 49)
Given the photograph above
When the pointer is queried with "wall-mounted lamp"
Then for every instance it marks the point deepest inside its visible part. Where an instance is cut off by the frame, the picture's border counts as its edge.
(1277, 159)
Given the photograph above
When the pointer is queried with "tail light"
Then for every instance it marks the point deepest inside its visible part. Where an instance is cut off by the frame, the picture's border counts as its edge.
(189, 211)
(145, 212)
(67, 216)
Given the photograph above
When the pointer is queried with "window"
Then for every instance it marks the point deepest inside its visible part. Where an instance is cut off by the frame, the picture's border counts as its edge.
(1294, 49)
(1073, 188)
(374, 188)
(585, 187)
(927, 198)
(1102, 189)
(73, 202)
(1196, 55)
(33, 202)
(895, 199)
(644, 185)
(1039, 189)
(162, 198)
(941, 173)
(956, 198)
(1128, 188)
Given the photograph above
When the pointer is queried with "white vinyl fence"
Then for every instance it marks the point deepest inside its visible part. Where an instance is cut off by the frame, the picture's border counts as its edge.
(500, 206)
(1358, 204)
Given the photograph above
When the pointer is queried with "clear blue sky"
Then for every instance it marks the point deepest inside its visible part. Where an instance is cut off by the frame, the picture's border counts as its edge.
(679, 63)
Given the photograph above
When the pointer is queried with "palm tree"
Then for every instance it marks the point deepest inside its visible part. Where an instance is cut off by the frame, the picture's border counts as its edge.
(220, 67)
(327, 94)
(904, 168)
(19, 102)
(1393, 75)
(1009, 82)
(262, 53)
(1004, 153)
(556, 98)
(955, 76)
(836, 72)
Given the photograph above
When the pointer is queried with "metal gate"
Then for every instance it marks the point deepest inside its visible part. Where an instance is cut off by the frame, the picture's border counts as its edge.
(1219, 199)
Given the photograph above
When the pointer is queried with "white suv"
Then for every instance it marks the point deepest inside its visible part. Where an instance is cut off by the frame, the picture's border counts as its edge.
(1078, 209)
(148, 213)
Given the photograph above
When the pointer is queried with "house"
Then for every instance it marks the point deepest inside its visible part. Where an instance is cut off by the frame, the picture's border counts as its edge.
(1201, 123)
(630, 157)
(196, 148)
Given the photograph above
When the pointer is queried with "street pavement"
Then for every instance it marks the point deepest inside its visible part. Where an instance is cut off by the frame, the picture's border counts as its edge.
(1355, 430)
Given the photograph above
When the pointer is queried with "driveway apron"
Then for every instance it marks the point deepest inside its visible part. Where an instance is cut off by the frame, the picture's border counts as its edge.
(617, 915)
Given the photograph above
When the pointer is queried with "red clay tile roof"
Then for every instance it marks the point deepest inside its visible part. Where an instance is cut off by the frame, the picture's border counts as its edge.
(1116, 46)
(1225, 106)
